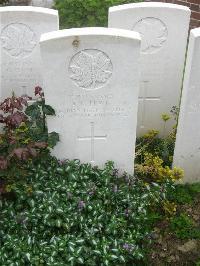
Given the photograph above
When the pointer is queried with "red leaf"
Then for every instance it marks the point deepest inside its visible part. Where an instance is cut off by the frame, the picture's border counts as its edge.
(38, 91)
(16, 119)
(41, 145)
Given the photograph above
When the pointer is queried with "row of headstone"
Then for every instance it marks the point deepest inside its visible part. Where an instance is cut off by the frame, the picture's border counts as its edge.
(96, 76)
(91, 75)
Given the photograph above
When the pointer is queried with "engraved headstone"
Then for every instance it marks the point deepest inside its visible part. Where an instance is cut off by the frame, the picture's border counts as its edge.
(187, 148)
(92, 80)
(20, 31)
(163, 29)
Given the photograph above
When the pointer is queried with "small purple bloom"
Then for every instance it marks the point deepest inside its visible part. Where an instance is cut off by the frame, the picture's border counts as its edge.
(128, 247)
(81, 204)
(127, 211)
(61, 162)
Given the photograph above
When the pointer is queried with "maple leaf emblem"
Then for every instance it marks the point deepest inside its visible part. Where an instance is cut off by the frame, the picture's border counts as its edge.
(18, 39)
(153, 32)
(90, 69)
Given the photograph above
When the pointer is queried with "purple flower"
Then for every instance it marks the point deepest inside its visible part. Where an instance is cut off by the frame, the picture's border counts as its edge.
(61, 162)
(127, 211)
(128, 247)
(81, 204)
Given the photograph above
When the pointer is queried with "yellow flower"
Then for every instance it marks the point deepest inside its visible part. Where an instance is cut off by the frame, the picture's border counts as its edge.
(29, 190)
(22, 128)
(151, 134)
(169, 207)
(177, 173)
(26, 141)
(8, 188)
(165, 117)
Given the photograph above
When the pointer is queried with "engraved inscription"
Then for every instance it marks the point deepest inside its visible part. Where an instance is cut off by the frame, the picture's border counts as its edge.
(90, 69)
(98, 106)
(153, 32)
(18, 40)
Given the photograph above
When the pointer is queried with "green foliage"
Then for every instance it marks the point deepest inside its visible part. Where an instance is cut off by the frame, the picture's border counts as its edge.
(73, 214)
(184, 227)
(152, 143)
(3, 2)
(24, 137)
(85, 13)
(187, 193)
(153, 170)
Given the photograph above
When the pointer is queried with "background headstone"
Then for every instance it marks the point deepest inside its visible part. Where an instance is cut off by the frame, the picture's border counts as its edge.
(187, 148)
(20, 31)
(42, 3)
(164, 31)
(19, 2)
(92, 80)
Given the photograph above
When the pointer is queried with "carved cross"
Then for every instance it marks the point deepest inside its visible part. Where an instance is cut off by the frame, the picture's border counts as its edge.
(92, 138)
(144, 99)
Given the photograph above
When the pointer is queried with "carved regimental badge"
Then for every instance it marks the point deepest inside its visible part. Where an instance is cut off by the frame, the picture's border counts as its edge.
(90, 69)
(18, 39)
(153, 32)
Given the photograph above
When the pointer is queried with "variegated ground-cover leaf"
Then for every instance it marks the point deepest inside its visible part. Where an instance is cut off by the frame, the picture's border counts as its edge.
(73, 214)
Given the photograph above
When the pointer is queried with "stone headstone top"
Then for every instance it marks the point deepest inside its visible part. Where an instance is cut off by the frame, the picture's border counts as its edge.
(92, 81)
(33, 9)
(148, 5)
(91, 31)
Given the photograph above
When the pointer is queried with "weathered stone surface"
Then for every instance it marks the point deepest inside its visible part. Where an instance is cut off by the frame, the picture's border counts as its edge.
(164, 30)
(187, 148)
(21, 28)
(92, 81)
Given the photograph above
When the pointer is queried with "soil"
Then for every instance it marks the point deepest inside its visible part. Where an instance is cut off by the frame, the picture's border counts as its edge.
(168, 249)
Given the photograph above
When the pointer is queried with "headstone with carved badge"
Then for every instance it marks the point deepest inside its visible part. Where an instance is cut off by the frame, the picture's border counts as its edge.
(164, 30)
(92, 81)
(20, 31)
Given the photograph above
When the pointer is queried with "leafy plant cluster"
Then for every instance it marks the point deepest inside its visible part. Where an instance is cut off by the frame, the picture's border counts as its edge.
(71, 214)
(185, 194)
(154, 154)
(24, 136)
(67, 213)
(184, 228)
(87, 13)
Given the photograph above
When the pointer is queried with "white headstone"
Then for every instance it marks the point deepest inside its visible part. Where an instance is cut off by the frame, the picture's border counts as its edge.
(164, 30)
(92, 81)
(187, 148)
(42, 3)
(20, 31)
